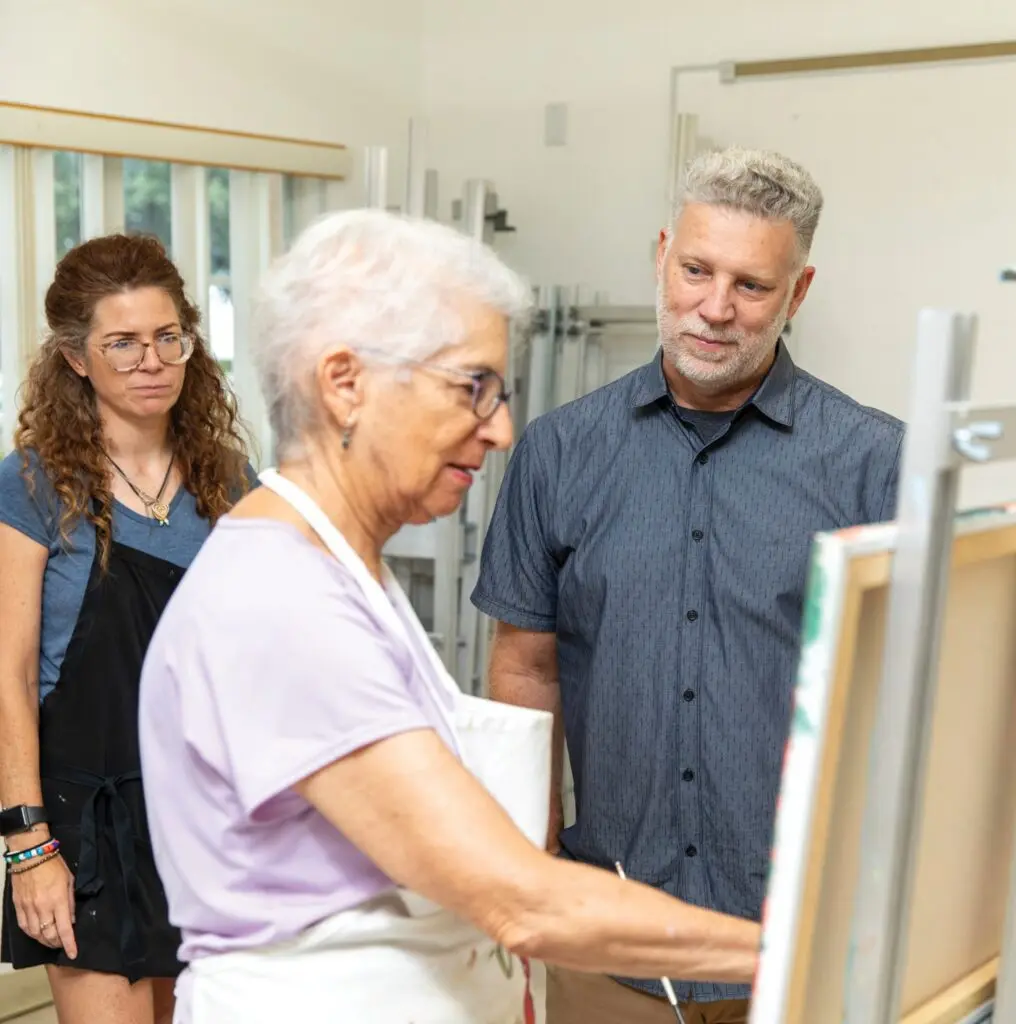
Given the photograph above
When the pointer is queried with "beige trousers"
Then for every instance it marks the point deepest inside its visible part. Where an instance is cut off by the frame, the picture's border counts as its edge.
(594, 999)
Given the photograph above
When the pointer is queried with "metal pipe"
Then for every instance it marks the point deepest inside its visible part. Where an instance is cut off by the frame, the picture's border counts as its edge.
(416, 169)
(684, 143)
(430, 194)
(375, 168)
(474, 208)
(542, 357)
(673, 170)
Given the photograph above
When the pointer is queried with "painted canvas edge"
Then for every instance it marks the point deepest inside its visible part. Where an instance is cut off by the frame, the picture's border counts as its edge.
(880, 538)
(821, 625)
(825, 591)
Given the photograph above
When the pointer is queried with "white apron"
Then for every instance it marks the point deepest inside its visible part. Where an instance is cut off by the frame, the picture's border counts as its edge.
(398, 958)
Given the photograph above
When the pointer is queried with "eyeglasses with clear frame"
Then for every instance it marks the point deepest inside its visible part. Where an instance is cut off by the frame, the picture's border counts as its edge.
(488, 386)
(125, 355)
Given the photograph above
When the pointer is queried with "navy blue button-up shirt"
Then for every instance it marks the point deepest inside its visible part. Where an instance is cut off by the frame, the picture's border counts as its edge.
(673, 575)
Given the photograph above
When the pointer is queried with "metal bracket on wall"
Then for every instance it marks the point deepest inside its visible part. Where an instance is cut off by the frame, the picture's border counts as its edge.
(494, 219)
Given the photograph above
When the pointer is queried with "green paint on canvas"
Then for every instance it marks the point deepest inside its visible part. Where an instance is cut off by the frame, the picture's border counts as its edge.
(802, 723)
(815, 592)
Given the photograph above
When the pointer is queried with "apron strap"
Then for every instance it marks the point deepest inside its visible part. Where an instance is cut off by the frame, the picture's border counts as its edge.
(375, 594)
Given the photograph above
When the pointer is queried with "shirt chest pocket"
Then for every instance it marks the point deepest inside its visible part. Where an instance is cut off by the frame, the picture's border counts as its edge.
(774, 570)
(762, 550)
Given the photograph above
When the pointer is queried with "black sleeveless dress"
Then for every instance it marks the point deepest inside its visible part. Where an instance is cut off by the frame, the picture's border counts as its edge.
(91, 780)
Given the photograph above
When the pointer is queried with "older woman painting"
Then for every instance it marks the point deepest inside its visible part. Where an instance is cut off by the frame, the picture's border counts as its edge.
(341, 834)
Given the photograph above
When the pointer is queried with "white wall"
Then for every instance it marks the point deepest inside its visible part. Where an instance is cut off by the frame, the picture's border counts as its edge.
(345, 71)
(589, 211)
(918, 166)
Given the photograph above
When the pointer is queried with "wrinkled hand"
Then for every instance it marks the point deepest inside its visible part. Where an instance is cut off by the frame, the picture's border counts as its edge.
(44, 902)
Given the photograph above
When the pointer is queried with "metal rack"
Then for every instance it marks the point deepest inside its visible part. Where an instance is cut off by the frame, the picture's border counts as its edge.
(450, 547)
(563, 357)
(946, 432)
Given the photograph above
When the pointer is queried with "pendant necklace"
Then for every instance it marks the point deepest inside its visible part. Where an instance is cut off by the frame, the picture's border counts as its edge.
(155, 507)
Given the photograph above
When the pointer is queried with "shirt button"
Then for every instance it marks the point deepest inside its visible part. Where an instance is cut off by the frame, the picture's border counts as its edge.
(692, 615)
(688, 775)
(703, 458)
(691, 851)
(689, 695)
(697, 534)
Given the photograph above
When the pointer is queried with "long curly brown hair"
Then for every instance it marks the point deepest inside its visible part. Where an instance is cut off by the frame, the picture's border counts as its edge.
(59, 421)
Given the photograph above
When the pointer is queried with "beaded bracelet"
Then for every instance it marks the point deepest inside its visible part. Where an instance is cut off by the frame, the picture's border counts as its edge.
(42, 850)
(31, 865)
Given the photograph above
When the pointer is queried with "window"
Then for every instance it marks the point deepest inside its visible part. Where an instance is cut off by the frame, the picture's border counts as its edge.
(221, 336)
(172, 187)
(147, 195)
(304, 199)
(67, 201)
(218, 211)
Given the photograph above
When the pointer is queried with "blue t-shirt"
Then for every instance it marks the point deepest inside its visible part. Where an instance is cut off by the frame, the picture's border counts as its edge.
(37, 515)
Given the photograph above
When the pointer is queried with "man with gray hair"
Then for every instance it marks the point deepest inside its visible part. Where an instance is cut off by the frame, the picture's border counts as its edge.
(647, 559)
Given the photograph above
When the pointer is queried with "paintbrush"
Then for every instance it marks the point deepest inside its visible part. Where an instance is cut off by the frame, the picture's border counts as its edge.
(667, 987)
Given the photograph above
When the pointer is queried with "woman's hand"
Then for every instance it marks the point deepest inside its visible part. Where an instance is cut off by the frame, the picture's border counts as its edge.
(44, 902)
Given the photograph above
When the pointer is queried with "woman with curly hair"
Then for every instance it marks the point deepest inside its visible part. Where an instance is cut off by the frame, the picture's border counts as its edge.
(128, 450)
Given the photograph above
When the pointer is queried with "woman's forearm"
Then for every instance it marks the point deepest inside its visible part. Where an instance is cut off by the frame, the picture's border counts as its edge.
(19, 761)
(23, 564)
(411, 807)
(588, 920)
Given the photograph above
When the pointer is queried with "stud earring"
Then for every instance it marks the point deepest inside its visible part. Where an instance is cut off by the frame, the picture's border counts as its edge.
(347, 437)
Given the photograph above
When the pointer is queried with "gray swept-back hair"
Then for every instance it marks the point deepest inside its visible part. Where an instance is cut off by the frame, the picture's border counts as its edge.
(373, 280)
(757, 182)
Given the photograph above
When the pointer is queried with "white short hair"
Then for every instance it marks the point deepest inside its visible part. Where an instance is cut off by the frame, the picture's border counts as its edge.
(372, 280)
(760, 183)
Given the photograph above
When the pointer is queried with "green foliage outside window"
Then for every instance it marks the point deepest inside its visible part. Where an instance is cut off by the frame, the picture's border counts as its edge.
(67, 197)
(147, 204)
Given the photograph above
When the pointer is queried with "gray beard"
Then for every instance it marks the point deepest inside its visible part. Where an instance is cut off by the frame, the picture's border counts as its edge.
(747, 354)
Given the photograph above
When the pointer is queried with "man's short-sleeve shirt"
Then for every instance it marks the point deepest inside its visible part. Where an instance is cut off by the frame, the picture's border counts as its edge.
(672, 571)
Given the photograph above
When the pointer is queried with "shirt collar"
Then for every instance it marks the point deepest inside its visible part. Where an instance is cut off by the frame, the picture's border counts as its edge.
(774, 397)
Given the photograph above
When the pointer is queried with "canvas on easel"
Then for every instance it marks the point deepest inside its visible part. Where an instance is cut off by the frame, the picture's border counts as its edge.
(969, 809)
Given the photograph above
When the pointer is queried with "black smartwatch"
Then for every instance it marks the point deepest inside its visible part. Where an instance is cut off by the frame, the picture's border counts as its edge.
(15, 820)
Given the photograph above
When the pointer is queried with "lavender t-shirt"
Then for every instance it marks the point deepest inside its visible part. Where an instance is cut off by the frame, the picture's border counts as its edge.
(266, 666)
